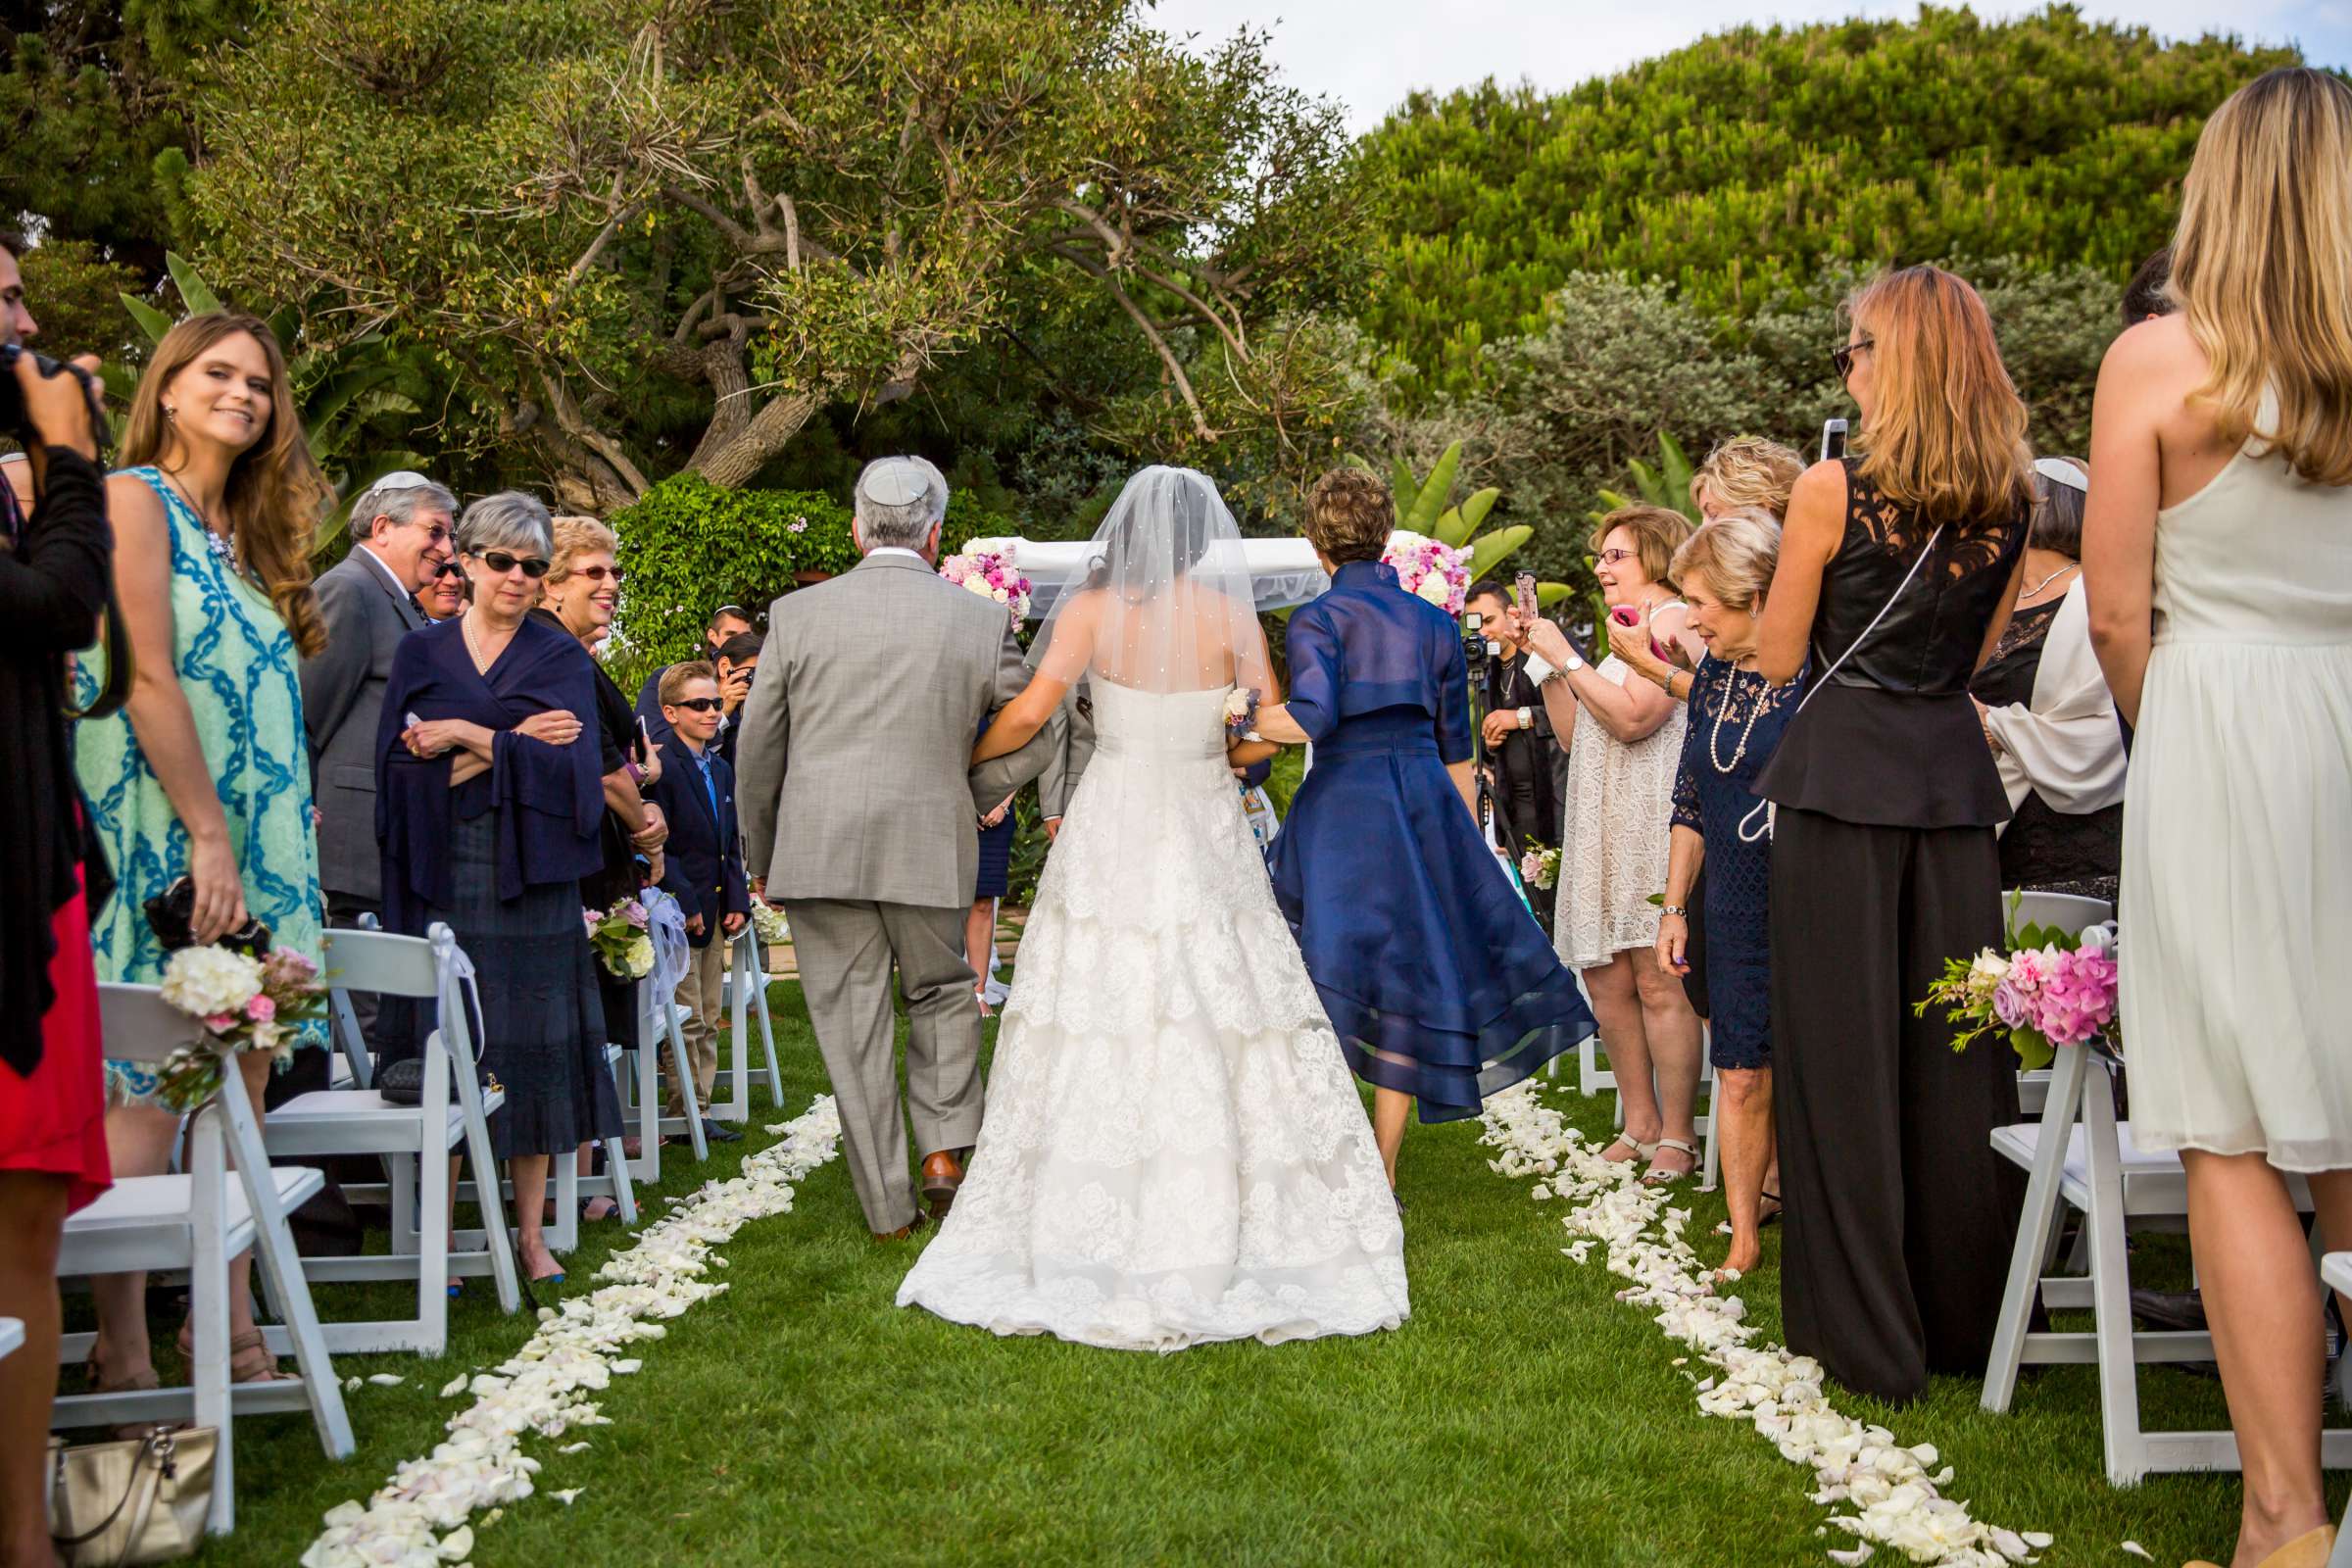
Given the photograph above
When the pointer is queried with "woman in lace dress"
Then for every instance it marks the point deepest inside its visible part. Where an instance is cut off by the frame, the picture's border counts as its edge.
(1719, 823)
(1173, 1152)
(2219, 549)
(1624, 738)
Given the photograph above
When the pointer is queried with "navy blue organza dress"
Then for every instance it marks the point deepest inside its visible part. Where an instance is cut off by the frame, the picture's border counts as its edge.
(1437, 981)
(1735, 724)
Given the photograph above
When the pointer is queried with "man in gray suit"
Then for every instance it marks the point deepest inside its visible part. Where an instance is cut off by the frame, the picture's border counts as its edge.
(1067, 766)
(860, 816)
(400, 533)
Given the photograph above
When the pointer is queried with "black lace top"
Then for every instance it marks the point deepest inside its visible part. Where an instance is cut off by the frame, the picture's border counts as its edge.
(1891, 739)
(2044, 848)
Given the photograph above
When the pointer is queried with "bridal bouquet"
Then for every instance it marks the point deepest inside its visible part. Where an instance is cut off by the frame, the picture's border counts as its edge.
(1429, 569)
(248, 1002)
(985, 568)
(620, 940)
(1540, 868)
(2048, 990)
(769, 924)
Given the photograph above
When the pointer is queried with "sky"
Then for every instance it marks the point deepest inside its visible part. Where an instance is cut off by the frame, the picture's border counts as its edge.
(1370, 53)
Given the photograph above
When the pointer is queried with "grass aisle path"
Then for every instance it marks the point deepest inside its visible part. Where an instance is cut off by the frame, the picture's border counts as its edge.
(1522, 1415)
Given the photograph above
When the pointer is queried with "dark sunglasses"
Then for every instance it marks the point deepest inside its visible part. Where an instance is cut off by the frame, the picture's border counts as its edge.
(500, 563)
(599, 573)
(1843, 356)
(447, 569)
(698, 705)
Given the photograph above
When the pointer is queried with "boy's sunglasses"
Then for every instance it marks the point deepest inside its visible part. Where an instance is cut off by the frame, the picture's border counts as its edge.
(499, 562)
(700, 705)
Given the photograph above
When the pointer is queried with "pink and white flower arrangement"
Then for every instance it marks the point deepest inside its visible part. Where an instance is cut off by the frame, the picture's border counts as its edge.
(1429, 569)
(620, 940)
(1540, 868)
(985, 566)
(2048, 990)
(248, 1001)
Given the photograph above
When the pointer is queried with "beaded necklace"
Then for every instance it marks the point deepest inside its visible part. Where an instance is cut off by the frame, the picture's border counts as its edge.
(1715, 736)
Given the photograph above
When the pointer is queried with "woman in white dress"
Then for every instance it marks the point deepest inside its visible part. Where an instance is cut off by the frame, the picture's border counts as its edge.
(1174, 1150)
(2221, 512)
(1624, 737)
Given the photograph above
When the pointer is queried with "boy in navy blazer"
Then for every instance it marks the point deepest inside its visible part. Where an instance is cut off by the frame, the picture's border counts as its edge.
(703, 867)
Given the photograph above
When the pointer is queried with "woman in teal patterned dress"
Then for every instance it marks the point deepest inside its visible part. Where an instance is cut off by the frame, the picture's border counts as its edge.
(203, 773)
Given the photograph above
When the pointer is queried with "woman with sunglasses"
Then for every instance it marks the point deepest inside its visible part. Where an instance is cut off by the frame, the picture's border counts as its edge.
(490, 800)
(583, 591)
(1898, 569)
(202, 775)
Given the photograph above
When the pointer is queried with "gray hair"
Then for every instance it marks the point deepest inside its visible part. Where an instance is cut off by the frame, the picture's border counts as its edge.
(1735, 554)
(898, 501)
(512, 519)
(395, 498)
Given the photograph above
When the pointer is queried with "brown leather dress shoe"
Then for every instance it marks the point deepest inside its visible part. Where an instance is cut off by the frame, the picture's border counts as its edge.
(942, 1176)
(911, 1228)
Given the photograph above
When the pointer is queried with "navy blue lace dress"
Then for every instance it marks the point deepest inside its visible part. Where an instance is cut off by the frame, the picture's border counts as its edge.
(1437, 980)
(1735, 723)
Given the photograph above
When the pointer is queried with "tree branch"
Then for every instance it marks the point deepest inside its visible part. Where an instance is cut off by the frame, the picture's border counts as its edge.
(1160, 344)
(568, 419)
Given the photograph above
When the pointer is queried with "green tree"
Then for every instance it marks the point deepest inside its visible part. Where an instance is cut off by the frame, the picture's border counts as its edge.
(1732, 169)
(651, 236)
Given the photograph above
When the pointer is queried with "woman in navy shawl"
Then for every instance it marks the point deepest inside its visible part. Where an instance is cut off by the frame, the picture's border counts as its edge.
(1439, 982)
(489, 806)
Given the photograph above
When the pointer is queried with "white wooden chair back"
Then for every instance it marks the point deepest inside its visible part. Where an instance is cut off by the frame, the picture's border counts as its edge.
(138, 1025)
(2073, 914)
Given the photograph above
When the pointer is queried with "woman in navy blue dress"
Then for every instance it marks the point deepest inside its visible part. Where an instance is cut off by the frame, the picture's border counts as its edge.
(1719, 822)
(1440, 984)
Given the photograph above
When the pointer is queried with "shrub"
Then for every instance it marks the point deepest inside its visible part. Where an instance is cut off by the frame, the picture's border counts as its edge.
(688, 546)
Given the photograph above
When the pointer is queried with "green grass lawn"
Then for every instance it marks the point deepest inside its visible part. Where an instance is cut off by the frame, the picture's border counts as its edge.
(1521, 1415)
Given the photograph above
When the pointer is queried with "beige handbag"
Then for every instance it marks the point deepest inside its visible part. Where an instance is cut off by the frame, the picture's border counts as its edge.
(140, 1501)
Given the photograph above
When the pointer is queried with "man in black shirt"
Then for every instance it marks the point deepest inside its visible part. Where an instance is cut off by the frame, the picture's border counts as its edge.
(1518, 733)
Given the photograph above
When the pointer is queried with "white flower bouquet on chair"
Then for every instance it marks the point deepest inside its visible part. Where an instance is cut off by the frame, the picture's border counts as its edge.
(247, 1001)
(620, 940)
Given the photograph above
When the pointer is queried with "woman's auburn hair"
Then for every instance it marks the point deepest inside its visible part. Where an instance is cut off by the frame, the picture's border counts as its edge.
(275, 492)
(1659, 532)
(1947, 437)
(2262, 267)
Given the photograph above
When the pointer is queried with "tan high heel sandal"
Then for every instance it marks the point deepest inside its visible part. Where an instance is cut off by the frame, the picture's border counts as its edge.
(2307, 1550)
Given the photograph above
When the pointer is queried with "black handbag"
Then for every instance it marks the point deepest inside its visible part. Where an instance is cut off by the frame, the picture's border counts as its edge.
(402, 1083)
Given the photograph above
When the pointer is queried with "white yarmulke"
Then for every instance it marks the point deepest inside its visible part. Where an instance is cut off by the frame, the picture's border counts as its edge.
(898, 481)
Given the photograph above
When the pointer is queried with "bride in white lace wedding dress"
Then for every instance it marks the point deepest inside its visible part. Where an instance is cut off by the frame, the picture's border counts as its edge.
(1173, 1151)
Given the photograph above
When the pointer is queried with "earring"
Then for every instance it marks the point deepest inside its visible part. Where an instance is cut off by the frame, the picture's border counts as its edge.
(171, 415)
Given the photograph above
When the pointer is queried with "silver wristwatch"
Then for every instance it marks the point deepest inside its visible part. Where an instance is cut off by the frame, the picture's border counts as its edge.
(1527, 718)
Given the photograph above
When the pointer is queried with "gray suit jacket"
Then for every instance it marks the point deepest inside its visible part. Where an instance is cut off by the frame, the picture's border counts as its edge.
(1067, 766)
(342, 698)
(854, 773)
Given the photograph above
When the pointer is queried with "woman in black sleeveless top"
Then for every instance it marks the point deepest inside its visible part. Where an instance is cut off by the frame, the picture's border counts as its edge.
(1885, 863)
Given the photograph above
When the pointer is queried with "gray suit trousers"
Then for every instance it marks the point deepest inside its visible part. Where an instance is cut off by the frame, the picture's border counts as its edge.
(846, 951)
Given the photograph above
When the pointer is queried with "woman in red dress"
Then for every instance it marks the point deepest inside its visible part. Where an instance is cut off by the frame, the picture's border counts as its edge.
(53, 576)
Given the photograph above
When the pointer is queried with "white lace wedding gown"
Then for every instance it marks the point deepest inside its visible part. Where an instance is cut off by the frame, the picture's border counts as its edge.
(1173, 1151)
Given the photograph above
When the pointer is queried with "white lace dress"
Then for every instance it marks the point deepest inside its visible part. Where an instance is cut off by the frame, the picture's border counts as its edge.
(1616, 828)
(1174, 1150)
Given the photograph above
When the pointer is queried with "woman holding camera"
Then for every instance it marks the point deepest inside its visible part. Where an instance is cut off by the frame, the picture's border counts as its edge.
(1897, 569)
(53, 1159)
(201, 776)
(1624, 738)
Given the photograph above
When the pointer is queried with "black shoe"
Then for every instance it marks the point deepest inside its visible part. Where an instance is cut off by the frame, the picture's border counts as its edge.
(719, 1134)
(2178, 1311)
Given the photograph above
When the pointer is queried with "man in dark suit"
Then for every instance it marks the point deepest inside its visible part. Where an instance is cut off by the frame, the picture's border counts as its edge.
(727, 622)
(400, 532)
(705, 864)
(1518, 734)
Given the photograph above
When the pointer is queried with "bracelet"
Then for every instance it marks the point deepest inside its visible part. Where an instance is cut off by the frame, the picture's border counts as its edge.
(1666, 681)
(1678, 911)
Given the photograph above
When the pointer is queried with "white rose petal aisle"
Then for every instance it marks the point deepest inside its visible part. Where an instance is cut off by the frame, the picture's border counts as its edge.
(421, 1517)
(1887, 1496)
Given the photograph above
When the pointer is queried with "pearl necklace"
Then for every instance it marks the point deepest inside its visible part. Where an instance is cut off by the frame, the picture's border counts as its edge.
(473, 649)
(1715, 737)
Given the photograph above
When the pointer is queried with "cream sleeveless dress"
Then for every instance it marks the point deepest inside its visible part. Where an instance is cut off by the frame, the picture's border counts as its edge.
(2237, 905)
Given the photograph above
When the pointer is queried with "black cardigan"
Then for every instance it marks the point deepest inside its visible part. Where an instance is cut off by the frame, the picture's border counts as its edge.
(53, 581)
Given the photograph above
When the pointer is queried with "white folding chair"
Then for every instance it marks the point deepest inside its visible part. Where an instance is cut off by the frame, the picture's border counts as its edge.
(197, 1222)
(658, 1020)
(2080, 1154)
(745, 993)
(2071, 913)
(415, 1142)
(2335, 1271)
(12, 1336)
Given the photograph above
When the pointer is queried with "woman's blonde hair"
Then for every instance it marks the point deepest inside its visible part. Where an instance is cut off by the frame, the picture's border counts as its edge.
(1659, 532)
(574, 538)
(1749, 470)
(275, 492)
(2262, 267)
(1733, 554)
(1947, 438)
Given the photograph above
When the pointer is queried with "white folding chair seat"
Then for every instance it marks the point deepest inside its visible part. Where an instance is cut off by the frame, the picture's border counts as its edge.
(415, 1142)
(12, 1336)
(2081, 1154)
(198, 1221)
